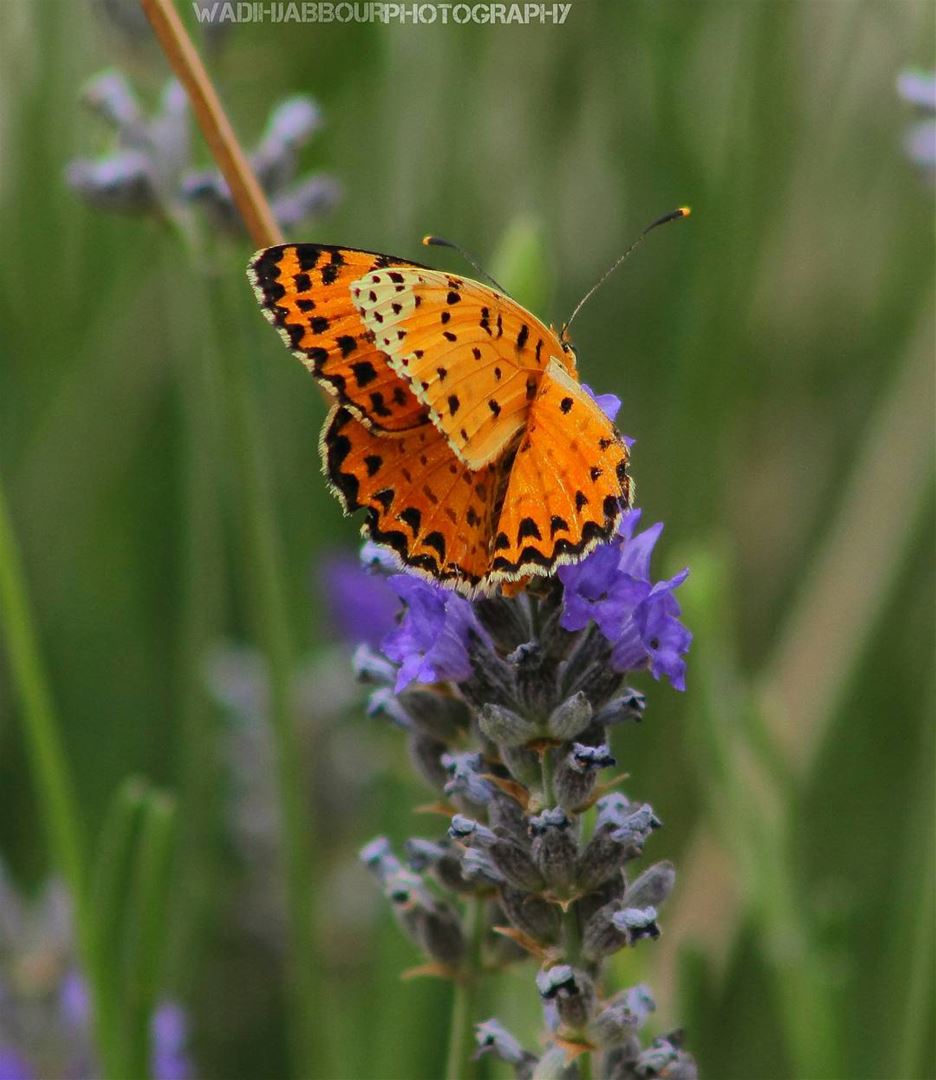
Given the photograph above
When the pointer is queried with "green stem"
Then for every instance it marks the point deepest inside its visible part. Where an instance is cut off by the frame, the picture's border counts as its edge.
(265, 573)
(51, 777)
(548, 767)
(461, 1064)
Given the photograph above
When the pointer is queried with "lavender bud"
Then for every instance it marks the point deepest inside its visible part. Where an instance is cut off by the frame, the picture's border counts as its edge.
(652, 887)
(491, 680)
(636, 923)
(478, 869)
(554, 847)
(665, 1058)
(524, 765)
(612, 889)
(585, 758)
(507, 621)
(293, 122)
(209, 191)
(613, 809)
(535, 917)
(509, 858)
(505, 816)
(614, 1025)
(553, 1065)
(426, 754)
(312, 197)
(634, 830)
(601, 861)
(517, 867)
(423, 854)
(601, 937)
(621, 1018)
(110, 95)
(590, 652)
(371, 667)
(440, 715)
(570, 718)
(578, 773)
(380, 860)
(640, 1002)
(492, 1036)
(552, 636)
(444, 863)
(625, 708)
(617, 1062)
(471, 833)
(384, 703)
(440, 935)
(572, 992)
(504, 727)
(167, 135)
(463, 771)
(536, 677)
(123, 181)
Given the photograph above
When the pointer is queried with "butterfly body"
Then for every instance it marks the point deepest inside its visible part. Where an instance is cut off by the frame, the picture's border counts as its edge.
(460, 428)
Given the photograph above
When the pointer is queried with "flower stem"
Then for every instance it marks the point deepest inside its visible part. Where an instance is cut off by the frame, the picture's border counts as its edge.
(265, 574)
(215, 126)
(51, 777)
(548, 767)
(461, 1064)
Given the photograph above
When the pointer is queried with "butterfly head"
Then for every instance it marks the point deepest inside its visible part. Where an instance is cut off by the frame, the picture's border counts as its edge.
(569, 356)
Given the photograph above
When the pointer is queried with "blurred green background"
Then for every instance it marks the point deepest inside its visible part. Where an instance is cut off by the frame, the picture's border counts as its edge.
(775, 359)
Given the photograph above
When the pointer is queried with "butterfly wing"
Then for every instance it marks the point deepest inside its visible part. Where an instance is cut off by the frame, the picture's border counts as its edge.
(567, 486)
(304, 292)
(473, 356)
(434, 512)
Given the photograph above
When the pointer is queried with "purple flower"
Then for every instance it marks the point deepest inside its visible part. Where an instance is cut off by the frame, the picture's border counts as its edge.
(13, 1066)
(361, 604)
(169, 1029)
(432, 642)
(640, 618)
(610, 405)
(919, 88)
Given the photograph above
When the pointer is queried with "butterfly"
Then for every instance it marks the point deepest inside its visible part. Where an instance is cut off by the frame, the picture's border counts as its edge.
(460, 426)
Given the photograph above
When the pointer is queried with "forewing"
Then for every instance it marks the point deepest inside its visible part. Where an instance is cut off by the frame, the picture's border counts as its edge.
(568, 483)
(469, 353)
(304, 290)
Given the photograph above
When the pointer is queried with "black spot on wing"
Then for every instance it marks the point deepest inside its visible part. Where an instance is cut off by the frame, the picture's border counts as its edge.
(412, 517)
(528, 527)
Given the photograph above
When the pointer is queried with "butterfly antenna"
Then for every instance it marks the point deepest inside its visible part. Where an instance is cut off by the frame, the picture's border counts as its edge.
(682, 212)
(437, 241)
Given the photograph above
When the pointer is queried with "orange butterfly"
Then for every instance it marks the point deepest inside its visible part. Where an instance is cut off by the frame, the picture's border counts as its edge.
(460, 427)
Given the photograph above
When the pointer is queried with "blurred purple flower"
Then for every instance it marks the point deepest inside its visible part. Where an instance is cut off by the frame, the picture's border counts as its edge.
(45, 1016)
(640, 618)
(432, 642)
(169, 1030)
(919, 88)
(362, 607)
(13, 1066)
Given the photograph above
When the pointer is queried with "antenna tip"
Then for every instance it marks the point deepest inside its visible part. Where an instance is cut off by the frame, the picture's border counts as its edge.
(684, 211)
(428, 240)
